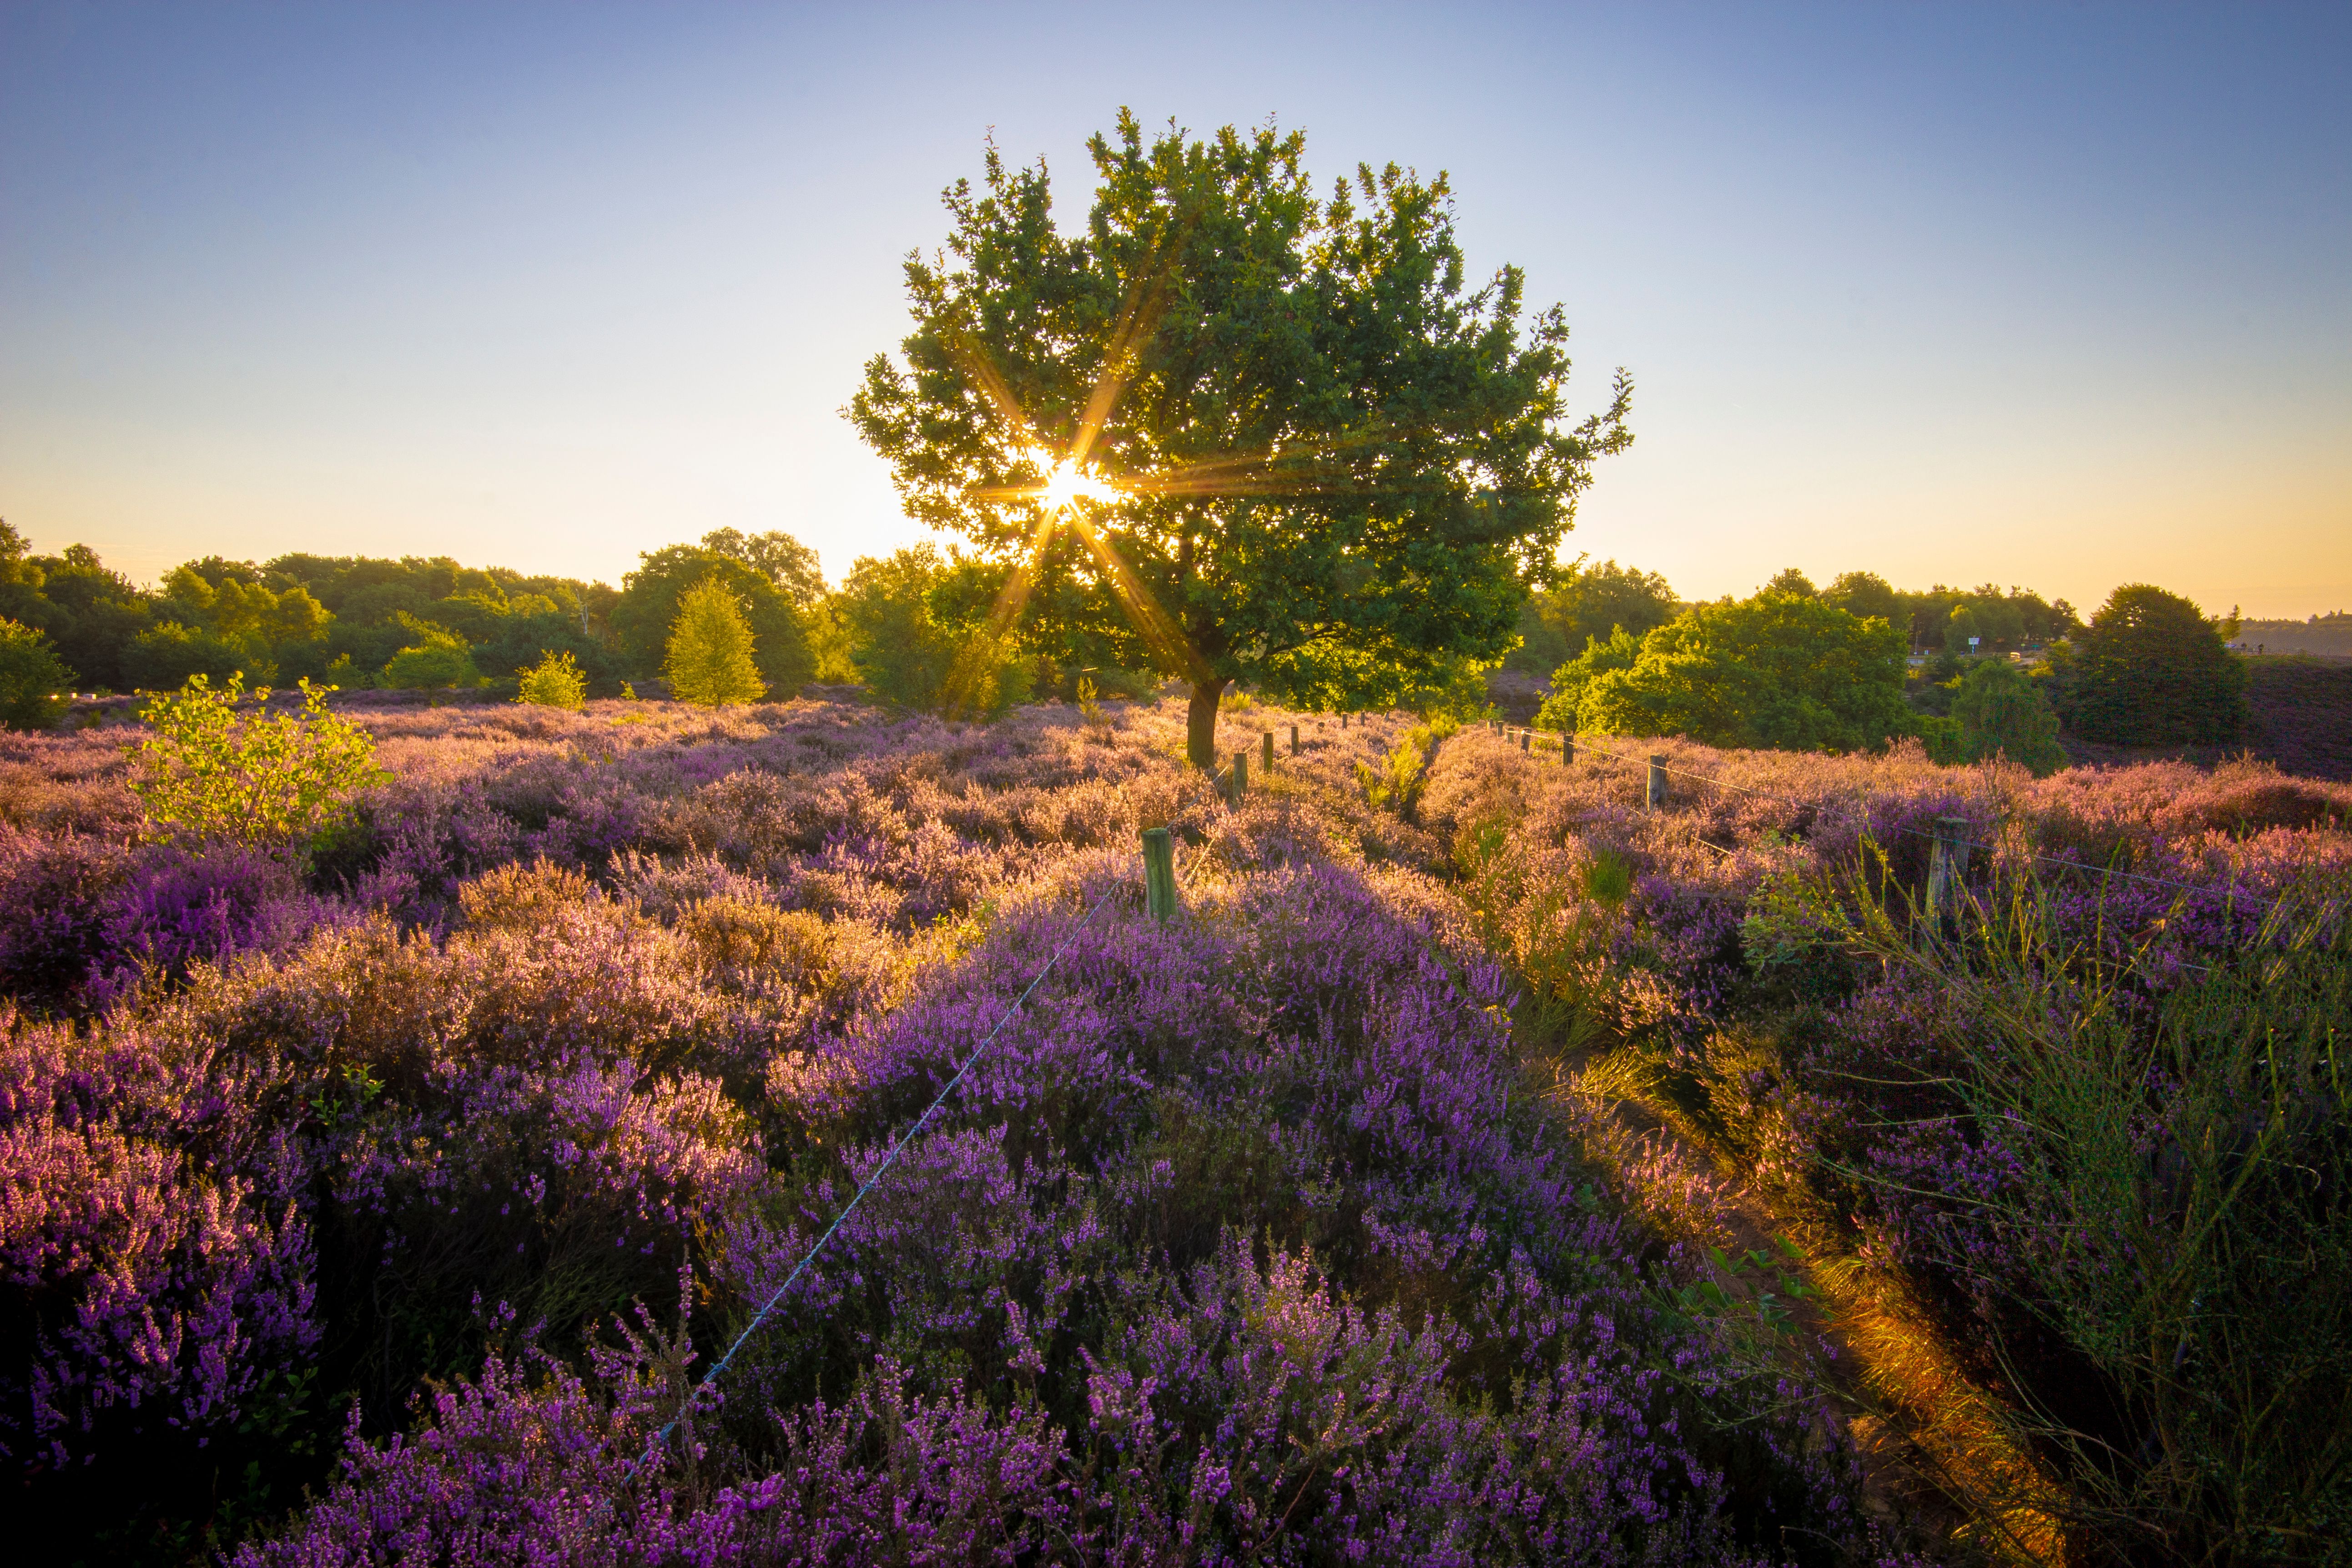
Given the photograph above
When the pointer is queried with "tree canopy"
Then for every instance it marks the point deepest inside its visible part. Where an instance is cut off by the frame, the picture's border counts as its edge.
(1781, 670)
(1591, 601)
(1291, 444)
(651, 597)
(2152, 670)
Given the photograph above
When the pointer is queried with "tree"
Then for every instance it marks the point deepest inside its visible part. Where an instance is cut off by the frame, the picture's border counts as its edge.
(652, 594)
(1621, 651)
(1862, 595)
(910, 654)
(32, 678)
(1789, 580)
(2152, 670)
(779, 557)
(1782, 671)
(1594, 602)
(1233, 430)
(710, 656)
(2000, 711)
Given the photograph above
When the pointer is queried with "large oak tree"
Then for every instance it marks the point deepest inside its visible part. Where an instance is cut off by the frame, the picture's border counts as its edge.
(1231, 430)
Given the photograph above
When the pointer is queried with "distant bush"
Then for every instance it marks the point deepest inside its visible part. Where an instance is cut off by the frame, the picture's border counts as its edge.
(555, 682)
(437, 659)
(2152, 670)
(910, 654)
(211, 774)
(1780, 671)
(1999, 710)
(710, 649)
(163, 657)
(32, 676)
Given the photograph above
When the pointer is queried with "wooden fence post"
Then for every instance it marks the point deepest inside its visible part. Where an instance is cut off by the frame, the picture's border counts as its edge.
(1294, 740)
(1654, 798)
(1269, 753)
(1343, 721)
(1567, 748)
(1241, 774)
(1528, 742)
(1947, 865)
(1159, 873)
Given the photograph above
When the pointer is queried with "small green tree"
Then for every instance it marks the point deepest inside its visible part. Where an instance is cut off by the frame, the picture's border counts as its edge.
(209, 773)
(555, 682)
(438, 658)
(1999, 710)
(710, 656)
(653, 595)
(32, 678)
(2153, 670)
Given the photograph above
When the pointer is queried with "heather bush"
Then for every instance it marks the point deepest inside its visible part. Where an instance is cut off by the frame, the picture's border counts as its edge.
(1266, 1232)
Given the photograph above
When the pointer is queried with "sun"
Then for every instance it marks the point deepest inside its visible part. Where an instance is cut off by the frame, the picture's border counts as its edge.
(1066, 483)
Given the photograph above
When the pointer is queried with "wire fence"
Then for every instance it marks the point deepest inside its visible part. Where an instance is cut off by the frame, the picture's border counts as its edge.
(2231, 893)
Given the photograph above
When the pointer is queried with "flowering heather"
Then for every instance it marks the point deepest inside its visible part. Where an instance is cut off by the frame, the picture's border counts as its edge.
(334, 1188)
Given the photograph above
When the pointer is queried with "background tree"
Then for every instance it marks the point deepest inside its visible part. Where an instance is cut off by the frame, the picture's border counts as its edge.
(438, 659)
(2152, 670)
(1592, 602)
(32, 678)
(784, 561)
(651, 596)
(1789, 580)
(1999, 710)
(1862, 595)
(1782, 671)
(1323, 465)
(911, 649)
(713, 653)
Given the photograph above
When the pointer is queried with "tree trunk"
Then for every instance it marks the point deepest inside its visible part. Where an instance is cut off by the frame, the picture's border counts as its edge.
(1201, 724)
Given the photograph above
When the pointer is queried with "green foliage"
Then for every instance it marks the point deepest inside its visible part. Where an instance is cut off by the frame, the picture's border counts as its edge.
(163, 657)
(555, 682)
(1862, 595)
(209, 773)
(652, 595)
(1403, 772)
(438, 658)
(1788, 580)
(1998, 710)
(782, 560)
(1780, 671)
(909, 648)
(2152, 670)
(1594, 602)
(2175, 1156)
(1330, 464)
(33, 679)
(1621, 651)
(711, 658)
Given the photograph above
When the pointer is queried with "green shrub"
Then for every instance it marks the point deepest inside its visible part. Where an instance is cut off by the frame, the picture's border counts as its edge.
(1998, 710)
(912, 649)
(438, 658)
(209, 773)
(710, 653)
(555, 682)
(32, 678)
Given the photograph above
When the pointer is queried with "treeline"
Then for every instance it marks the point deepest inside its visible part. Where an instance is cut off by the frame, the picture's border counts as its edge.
(1854, 667)
(1595, 601)
(916, 627)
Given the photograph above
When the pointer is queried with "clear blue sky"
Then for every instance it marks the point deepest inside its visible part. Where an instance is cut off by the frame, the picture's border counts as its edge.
(2054, 295)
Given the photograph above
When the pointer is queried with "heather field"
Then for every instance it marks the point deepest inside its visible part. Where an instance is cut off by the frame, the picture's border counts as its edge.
(1479, 1167)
